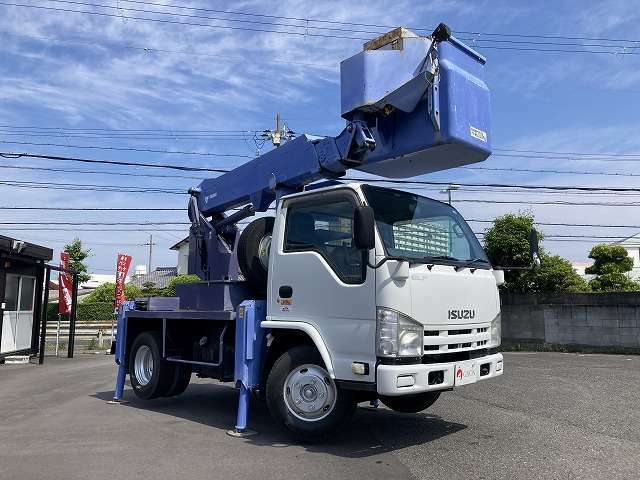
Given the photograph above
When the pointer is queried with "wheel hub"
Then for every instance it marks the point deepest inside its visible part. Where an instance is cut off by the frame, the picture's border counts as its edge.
(309, 393)
(264, 248)
(143, 365)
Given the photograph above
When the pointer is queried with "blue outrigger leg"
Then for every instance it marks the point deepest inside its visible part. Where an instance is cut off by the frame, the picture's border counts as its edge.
(121, 350)
(250, 344)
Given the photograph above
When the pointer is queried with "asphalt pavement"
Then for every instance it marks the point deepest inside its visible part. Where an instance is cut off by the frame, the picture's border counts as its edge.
(551, 415)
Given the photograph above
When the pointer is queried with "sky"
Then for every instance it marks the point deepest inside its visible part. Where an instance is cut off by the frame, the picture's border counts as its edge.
(71, 82)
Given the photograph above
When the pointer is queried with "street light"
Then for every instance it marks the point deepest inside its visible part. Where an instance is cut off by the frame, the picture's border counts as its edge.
(449, 189)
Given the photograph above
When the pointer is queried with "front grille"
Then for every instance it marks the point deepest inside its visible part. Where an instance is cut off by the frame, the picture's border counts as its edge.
(466, 331)
(456, 340)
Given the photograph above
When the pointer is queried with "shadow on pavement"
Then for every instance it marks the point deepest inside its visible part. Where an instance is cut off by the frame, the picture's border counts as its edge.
(215, 405)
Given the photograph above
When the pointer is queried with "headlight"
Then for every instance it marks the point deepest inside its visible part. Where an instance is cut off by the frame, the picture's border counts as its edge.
(496, 331)
(398, 334)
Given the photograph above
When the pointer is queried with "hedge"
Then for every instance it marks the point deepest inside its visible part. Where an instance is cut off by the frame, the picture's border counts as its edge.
(87, 312)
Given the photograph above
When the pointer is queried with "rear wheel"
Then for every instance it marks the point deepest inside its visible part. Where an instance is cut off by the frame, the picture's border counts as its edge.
(181, 379)
(151, 376)
(253, 252)
(303, 397)
(411, 403)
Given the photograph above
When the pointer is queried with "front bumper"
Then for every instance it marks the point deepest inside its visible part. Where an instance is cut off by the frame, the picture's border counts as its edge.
(394, 380)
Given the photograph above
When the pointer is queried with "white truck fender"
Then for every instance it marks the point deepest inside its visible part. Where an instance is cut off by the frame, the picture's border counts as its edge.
(309, 330)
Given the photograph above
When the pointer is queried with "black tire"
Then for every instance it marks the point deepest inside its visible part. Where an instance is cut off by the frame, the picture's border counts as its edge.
(411, 403)
(181, 379)
(343, 407)
(249, 252)
(162, 373)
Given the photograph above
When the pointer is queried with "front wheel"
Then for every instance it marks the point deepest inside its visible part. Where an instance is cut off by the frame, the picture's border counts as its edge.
(303, 397)
(411, 403)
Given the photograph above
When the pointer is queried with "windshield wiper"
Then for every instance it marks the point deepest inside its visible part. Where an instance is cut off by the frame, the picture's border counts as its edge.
(477, 260)
(400, 259)
(441, 257)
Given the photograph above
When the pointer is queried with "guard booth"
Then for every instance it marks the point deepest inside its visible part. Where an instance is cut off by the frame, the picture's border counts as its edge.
(22, 278)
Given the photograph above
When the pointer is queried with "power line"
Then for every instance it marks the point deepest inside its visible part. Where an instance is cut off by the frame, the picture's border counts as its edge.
(204, 17)
(97, 209)
(12, 156)
(412, 182)
(148, 49)
(104, 136)
(176, 22)
(502, 185)
(83, 223)
(100, 172)
(304, 33)
(62, 229)
(562, 224)
(96, 172)
(157, 223)
(611, 237)
(128, 149)
(570, 172)
(87, 187)
(122, 130)
(554, 202)
(583, 154)
(307, 23)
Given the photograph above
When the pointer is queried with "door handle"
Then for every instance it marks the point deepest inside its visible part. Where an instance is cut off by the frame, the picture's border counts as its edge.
(285, 291)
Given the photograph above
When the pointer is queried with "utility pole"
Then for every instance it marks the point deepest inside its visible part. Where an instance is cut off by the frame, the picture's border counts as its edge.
(279, 135)
(448, 191)
(150, 244)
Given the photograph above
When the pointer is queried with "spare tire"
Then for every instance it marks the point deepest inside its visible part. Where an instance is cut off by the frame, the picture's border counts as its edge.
(253, 252)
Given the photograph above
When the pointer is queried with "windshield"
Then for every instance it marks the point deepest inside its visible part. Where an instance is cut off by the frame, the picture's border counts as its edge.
(418, 227)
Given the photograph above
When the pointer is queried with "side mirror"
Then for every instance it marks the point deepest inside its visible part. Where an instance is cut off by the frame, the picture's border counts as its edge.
(533, 244)
(499, 277)
(364, 228)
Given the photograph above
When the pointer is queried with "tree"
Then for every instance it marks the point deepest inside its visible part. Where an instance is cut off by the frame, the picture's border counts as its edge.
(149, 290)
(77, 256)
(611, 264)
(107, 292)
(170, 291)
(555, 275)
(507, 245)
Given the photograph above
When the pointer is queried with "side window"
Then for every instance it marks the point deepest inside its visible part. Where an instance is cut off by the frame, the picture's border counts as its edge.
(11, 291)
(326, 226)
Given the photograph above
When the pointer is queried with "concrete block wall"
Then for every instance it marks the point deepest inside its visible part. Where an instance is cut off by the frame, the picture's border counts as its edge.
(588, 319)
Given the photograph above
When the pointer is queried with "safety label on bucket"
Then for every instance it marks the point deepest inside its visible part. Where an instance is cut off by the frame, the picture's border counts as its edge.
(477, 133)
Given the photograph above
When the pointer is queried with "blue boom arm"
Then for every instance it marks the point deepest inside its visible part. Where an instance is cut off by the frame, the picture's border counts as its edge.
(413, 105)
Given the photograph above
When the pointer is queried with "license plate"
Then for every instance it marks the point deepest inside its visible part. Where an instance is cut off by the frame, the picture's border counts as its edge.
(466, 372)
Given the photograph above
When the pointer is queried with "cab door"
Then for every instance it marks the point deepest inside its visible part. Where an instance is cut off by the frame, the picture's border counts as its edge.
(317, 276)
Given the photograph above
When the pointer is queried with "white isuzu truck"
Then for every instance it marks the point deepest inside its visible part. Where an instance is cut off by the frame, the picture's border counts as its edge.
(351, 292)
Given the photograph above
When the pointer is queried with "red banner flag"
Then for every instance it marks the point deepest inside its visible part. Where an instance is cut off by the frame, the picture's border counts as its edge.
(64, 286)
(124, 261)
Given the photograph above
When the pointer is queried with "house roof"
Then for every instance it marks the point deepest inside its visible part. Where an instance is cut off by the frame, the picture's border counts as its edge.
(632, 241)
(26, 249)
(182, 242)
(159, 277)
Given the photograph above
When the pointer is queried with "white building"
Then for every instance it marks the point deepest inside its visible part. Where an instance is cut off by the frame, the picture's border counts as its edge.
(99, 279)
(632, 246)
(182, 247)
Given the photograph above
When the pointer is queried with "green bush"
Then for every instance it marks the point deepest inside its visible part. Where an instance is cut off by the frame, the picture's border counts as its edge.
(107, 291)
(170, 291)
(86, 312)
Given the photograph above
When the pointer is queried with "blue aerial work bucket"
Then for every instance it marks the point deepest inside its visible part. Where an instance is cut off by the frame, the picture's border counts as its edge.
(424, 99)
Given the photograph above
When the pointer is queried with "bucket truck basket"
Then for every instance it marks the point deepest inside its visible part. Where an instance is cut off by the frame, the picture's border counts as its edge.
(424, 98)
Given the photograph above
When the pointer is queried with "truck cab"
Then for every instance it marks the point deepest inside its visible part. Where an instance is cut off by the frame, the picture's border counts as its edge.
(419, 312)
